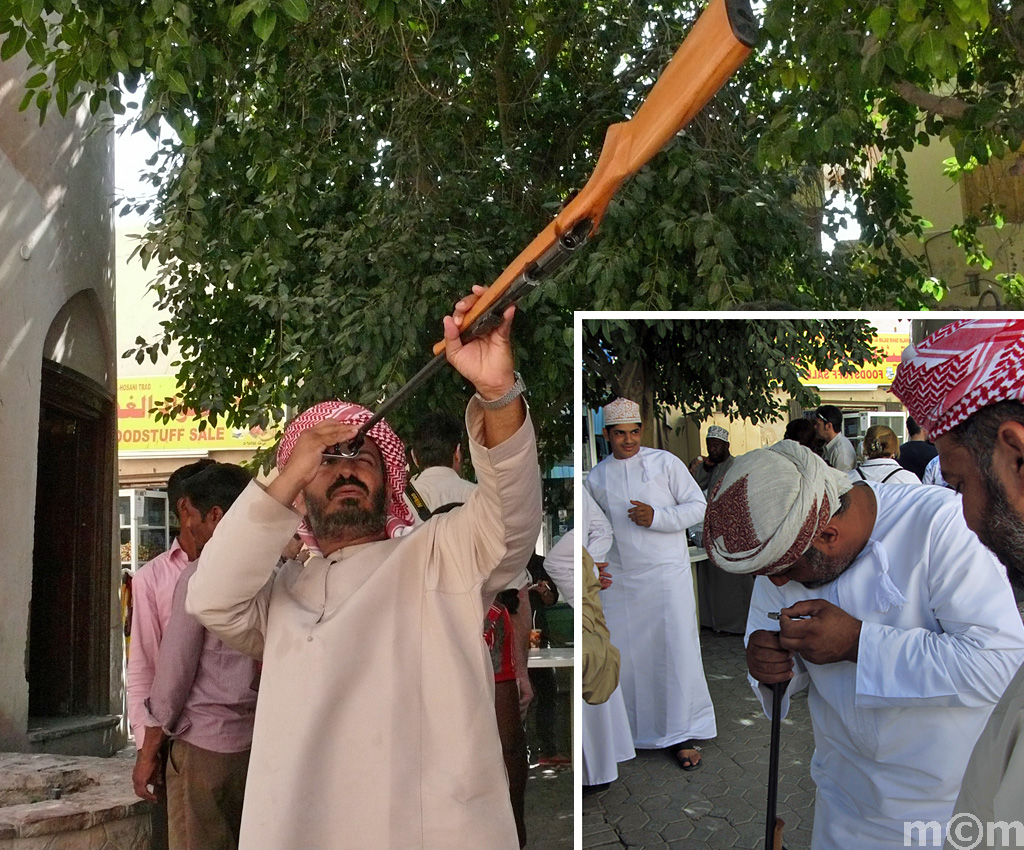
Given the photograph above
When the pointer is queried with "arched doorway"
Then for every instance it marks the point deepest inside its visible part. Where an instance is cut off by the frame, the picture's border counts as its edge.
(69, 640)
(73, 655)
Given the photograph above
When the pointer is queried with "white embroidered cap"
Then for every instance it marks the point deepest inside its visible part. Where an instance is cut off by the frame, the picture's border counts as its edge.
(621, 411)
(717, 432)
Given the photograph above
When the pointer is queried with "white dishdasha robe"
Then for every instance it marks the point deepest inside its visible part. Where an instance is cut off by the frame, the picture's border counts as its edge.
(941, 639)
(650, 607)
(375, 726)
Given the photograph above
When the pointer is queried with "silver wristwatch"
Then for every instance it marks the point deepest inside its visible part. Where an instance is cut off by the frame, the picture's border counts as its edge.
(516, 390)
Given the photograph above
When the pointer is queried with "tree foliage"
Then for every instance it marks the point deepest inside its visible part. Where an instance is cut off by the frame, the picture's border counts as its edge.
(742, 368)
(345, 169)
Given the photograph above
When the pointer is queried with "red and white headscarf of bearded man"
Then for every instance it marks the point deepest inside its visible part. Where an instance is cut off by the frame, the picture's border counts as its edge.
(960, 369)
(768, 508)
(392, 450)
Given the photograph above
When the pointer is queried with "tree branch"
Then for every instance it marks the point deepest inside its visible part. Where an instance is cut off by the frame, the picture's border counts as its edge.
(944, 107)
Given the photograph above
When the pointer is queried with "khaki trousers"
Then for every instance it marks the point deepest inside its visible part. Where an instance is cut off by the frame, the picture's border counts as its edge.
(204, 797)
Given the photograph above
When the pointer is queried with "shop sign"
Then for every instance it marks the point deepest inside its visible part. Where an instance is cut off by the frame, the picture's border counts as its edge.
(138, 430)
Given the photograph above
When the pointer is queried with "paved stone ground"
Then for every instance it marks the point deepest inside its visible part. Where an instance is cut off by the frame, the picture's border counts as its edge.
(549, 789)
(549, 809)
(655, 806)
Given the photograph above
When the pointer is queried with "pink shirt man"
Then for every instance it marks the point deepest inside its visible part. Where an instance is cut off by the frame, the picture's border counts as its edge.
(152, 592)
(204, 691)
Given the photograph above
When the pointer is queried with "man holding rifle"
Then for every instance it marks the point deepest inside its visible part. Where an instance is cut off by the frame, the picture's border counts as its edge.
(965, 384)
(879, 600)
(375, 725)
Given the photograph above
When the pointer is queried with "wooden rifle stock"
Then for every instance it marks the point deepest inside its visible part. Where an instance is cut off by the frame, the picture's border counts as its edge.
(715, 47)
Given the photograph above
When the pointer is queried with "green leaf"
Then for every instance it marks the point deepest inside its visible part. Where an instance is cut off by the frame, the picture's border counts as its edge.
(31, 9)
(42, 101)
(13, 43)
(176, 82)
(296, 9)
(240, 12)
(879, 21)
(36, 50)
(909, 10)
(119, 60)
(36, 80)
(264, 25)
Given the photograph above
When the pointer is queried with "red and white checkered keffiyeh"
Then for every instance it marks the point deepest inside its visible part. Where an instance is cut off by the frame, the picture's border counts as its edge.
(960, 369)
(387, 441)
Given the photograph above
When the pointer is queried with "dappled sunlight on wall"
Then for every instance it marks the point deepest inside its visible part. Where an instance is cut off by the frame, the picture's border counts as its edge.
(56, 313)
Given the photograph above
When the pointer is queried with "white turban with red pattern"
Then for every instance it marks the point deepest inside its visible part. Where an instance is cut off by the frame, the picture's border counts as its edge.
(391, 448)
(960, 369)
(768, 508)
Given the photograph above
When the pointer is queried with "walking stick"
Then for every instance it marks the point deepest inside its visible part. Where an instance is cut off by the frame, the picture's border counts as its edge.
(773, 824)
(715, 47)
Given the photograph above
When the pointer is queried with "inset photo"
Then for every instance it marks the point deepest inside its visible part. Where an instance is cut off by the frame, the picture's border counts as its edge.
(797, 535)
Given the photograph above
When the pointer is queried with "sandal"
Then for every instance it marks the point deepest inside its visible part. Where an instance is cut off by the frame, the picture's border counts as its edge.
(687, 762)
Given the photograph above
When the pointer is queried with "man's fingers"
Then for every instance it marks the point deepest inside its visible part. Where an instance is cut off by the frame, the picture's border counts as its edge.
(771, 678)
(142, 790)
(765, 638)
(806, 608)
(776, 659)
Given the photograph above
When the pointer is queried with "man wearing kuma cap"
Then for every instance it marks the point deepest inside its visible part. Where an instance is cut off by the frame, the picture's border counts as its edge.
(651, 499)
(892, 616)
(965, 384)
(375, 725)
(708, 470)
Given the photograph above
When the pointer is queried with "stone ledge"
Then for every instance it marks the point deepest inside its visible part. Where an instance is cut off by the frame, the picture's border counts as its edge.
(100, 794)
(66, 727)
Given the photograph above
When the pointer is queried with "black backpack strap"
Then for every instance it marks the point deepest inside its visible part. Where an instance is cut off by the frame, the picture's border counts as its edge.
(417, 501)
(891, 474)
(445, 508)
(861, 474)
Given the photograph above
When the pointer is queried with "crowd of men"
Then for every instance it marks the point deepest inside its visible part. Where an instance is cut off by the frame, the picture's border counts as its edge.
(364, 638)
(883, 597)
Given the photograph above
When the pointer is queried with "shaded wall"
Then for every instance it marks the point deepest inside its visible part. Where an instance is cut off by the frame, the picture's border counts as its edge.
(56, 304)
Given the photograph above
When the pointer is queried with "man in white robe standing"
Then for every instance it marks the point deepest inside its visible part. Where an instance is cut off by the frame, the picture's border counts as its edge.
(892, 615)
(375, 726)
(651, 499)
(965, 384)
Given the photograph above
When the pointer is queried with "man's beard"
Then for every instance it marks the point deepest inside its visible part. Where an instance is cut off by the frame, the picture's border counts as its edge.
(826, 567)
(349, 519)
(1002, 530)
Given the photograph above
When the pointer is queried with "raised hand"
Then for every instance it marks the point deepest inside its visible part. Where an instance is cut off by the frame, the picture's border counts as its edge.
(486, 361)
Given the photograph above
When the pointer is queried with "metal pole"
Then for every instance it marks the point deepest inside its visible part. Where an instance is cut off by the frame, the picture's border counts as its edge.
(778, 689)
(489, 319)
